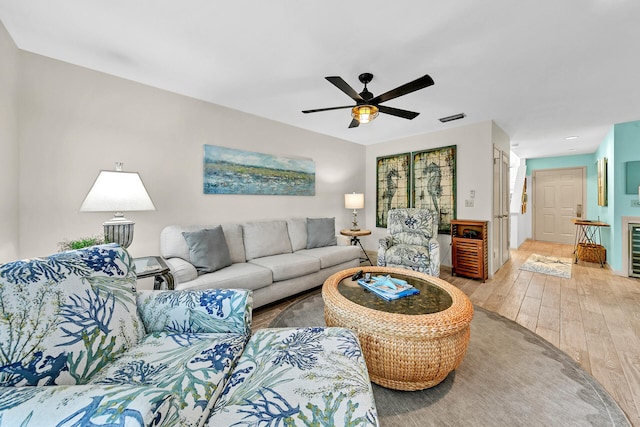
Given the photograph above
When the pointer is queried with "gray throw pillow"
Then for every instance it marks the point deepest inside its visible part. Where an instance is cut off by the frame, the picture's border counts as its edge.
(208, 249)
(321, 232)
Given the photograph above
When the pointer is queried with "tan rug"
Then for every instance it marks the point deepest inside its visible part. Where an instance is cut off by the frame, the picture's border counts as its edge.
(553, 266)
(510, 377)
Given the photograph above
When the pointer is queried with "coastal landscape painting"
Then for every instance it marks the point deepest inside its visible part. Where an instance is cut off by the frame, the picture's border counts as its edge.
(231, 171)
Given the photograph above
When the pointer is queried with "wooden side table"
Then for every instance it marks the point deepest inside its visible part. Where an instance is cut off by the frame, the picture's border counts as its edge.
(355, 239)
(154, 266)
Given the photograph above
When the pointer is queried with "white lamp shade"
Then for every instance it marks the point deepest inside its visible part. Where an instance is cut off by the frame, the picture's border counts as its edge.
(116, 191)
(354, 201)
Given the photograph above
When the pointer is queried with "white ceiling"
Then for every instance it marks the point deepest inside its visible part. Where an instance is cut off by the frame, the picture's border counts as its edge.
(542, 70)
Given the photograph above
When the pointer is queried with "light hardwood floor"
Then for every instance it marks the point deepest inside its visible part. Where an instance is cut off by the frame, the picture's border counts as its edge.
(594, 316)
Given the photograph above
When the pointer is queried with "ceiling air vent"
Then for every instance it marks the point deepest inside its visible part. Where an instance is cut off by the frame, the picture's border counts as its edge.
(451, 118)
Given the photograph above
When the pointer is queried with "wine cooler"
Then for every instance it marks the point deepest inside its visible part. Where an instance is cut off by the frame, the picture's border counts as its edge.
(634, 250)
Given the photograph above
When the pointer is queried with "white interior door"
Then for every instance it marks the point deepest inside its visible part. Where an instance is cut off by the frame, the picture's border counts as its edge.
(501, 203)
(505, 206)
(558, 197)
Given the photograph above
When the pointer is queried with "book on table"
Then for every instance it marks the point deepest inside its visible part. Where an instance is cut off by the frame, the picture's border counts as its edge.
(388, 287)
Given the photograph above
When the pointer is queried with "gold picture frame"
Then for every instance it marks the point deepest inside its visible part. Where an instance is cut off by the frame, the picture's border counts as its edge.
(433, 184)
(602, 181)
(392, 185)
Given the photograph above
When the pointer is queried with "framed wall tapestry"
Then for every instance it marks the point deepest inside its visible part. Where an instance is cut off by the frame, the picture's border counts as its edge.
(434, 183)
(602, 182)
(230, 171)
(392, 185)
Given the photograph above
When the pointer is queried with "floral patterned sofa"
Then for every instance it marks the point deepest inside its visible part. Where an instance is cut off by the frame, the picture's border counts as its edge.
(412, 241)
(79, 346)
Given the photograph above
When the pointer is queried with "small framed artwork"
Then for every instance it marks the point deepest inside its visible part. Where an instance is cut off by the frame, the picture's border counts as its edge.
(392, 185)
(434, 184)
(602, 181)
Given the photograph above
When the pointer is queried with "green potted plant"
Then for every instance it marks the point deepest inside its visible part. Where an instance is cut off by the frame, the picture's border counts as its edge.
(83, 242)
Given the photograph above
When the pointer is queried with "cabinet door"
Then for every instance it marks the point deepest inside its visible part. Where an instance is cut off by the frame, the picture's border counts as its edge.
(468, 258)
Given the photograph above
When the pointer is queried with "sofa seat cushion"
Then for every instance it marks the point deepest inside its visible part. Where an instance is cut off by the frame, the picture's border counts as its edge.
(294, 376)
(332, 255)
(88, 405)
(415, 257)
(191, 366)
(237, 276)
(288, 266)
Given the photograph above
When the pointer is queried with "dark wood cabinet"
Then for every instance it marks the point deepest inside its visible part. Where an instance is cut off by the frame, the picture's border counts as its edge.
(469, 248)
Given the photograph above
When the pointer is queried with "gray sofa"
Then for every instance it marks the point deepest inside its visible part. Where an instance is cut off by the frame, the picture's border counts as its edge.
(275, 258)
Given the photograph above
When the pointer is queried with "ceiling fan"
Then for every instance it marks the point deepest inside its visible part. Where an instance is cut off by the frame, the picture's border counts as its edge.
(367, 106)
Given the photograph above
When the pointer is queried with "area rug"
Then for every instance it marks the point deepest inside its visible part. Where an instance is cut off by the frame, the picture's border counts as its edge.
(553, 266)
(509, 377)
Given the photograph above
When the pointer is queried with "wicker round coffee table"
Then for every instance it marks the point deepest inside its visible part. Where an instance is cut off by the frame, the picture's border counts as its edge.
(408, 344)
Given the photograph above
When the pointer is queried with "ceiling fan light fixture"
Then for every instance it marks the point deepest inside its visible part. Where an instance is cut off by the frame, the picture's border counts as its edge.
(364, 113)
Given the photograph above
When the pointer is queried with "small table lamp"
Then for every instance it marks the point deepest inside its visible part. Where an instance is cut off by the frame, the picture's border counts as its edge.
(118, 191)
(354, 201)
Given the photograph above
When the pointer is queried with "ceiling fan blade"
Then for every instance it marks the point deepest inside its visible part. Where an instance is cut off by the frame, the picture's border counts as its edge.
(327, 109)
(344, 86)
(417, 84)
(398, 112)
(354, 124)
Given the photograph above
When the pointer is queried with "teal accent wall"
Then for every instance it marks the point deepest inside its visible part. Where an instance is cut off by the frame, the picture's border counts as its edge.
(626, 148)
(620, 145)
(606, 213)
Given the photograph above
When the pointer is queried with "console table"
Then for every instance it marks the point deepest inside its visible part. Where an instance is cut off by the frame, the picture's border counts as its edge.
(588, 238)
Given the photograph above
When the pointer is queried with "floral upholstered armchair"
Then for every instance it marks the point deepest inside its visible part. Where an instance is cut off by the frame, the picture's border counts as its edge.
(411, 241)
(80, 346)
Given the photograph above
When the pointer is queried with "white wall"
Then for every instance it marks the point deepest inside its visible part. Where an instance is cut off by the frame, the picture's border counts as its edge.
(520, 222)
(9, 170)
(74, 122)
(474, 167)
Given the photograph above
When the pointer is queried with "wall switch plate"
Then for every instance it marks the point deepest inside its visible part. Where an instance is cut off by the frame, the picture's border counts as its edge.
(635, 203)
(468, 203)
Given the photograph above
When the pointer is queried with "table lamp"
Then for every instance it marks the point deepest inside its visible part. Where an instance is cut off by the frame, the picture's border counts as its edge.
(118, 191)
(354, 201)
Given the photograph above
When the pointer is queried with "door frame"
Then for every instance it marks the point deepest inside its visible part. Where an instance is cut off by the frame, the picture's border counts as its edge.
(533, 193)
(500, 210)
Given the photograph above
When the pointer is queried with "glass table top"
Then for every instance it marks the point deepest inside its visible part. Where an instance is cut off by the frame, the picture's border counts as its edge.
(149, 266)
(431, 299)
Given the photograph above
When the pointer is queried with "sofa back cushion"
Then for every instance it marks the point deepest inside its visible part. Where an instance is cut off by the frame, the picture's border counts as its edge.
(412, 226)
(297, 228)
(207, 311)
(66, 316)
(265, 238)
(174, 245)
